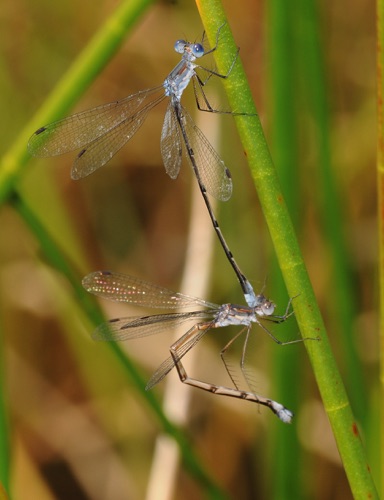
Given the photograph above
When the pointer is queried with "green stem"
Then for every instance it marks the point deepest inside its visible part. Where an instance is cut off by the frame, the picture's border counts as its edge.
(290, 259)
(286, 454)
(4, 429)
(83, 71)
(79, 76)
(343, 304)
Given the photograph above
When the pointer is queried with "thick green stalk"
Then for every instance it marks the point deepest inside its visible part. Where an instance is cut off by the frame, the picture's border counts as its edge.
(290, 259)
(79, 76)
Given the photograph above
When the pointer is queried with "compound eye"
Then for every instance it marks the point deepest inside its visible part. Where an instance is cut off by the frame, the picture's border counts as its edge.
(268, 308)
(197, 50)
(180, 46)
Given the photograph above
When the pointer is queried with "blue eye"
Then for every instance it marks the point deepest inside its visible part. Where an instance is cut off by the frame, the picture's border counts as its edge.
(180, 46)
(197, 50)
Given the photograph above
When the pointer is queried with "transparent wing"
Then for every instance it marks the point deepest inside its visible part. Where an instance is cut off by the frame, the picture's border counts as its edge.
(242, 367)
(124, 288)
(247, 361)
(102, 149)
(196, 333)
(78, 130)
(214, 175)
(171, 146)
(135, 327)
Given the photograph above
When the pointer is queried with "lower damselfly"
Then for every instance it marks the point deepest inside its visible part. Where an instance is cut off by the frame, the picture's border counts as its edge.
(206, 316)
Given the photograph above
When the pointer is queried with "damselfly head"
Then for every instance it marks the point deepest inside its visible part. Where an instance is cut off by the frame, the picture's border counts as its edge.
(264, 306)
(194, 49)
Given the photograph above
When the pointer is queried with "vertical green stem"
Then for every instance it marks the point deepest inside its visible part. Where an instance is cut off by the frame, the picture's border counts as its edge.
(4, 428)
(343, 306)
(290, 259)
(286, 452)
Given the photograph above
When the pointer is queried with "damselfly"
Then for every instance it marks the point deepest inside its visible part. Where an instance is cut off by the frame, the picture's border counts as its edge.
(99, 133)
(124, 288)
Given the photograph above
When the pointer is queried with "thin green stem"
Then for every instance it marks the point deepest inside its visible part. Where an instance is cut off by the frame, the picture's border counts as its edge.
(4, 429)
(290, 259)
(343, 305)
(83, 71)
(80, 75)
(286, 453)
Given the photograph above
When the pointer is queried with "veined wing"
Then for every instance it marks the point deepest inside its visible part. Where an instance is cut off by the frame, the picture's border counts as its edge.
(135, 327)
(214, 175)
(124, 288)
(80, 129)
(101, 150)
(171, 145)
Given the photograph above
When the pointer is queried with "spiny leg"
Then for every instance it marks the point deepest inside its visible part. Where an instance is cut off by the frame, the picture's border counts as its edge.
(287, 314)
(199, 83)
(280, 319)
(243, 368)
(225, 361)
(217, 39)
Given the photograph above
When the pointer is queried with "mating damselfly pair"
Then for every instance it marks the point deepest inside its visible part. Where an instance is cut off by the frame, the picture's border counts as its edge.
(98, 134)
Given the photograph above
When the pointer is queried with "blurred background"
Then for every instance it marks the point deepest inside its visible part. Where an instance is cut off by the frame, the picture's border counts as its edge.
(75, 424)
